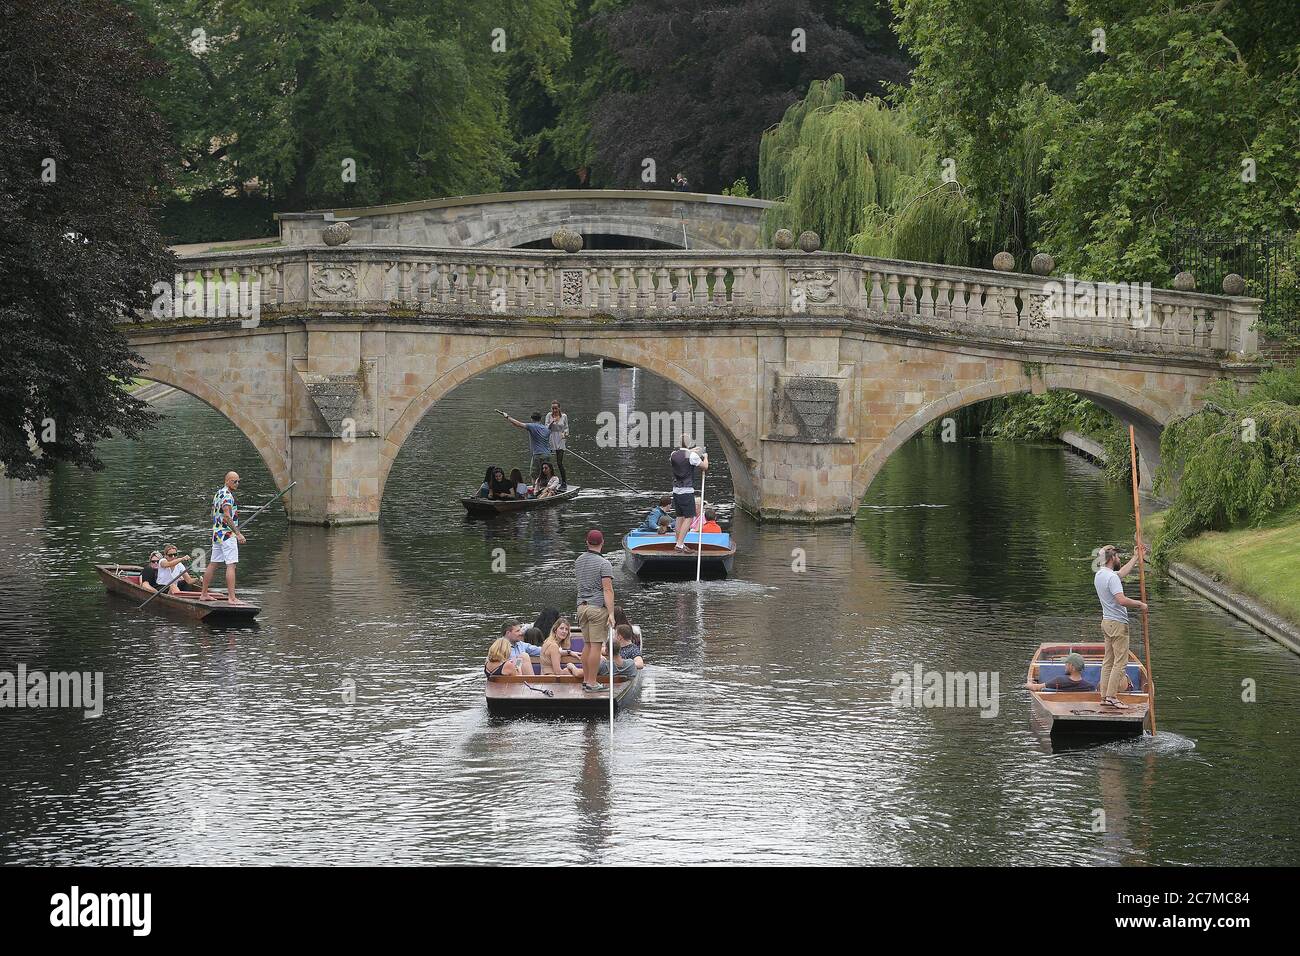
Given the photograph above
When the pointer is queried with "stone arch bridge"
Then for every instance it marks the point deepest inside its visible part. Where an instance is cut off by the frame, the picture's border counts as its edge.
(814, 367)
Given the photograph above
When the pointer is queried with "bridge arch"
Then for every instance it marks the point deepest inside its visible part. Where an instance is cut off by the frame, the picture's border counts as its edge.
(276, 462)
(741, 459)
(668, 233)
(1127, 404)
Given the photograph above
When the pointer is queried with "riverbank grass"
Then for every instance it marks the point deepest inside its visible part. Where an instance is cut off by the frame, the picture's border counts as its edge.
(1262, 562)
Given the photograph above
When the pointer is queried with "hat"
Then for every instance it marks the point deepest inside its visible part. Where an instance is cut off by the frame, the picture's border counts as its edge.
(1075, 661)
(594, 537)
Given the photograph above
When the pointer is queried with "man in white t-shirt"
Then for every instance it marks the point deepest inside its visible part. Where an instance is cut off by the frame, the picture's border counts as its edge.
(1114, 618)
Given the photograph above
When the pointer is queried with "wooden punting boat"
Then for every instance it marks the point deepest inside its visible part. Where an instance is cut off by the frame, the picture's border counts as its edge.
(487, 507)
(649, 553)
(124, 580)
(1069, 714)
(557, 695)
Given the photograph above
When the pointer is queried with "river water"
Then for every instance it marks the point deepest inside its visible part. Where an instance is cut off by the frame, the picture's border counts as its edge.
(764, 731)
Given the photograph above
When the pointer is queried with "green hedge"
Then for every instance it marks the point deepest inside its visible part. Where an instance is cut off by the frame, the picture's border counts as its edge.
(215, 217)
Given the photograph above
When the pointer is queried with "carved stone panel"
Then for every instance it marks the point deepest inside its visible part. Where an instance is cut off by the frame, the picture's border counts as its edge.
(816, 286)
(1036, 316)
(571, 287)
(333, 281)
(809, 404)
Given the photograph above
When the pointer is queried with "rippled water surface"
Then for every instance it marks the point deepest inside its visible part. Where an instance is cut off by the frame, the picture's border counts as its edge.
(764, 730)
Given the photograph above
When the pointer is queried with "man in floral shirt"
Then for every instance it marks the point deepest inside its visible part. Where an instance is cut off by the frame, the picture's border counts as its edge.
(226, 537)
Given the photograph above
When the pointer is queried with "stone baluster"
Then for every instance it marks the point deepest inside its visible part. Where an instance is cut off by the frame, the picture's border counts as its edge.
(423, 294)
(404, 281)
(875, 294)
(663, 288)
(442, 284)
(909, 296)
(699, 286)
(959, 301)
(893, 301)
(644, 290)
(719, 296)
(265, 286)
(681, 287)
(603, 295)
(927, 297)
(626, 292)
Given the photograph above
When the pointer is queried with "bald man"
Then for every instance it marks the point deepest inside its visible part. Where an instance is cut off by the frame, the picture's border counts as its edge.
(226, 538)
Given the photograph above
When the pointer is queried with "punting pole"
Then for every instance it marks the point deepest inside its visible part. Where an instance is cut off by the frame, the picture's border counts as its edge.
(699, 553)
(1142, 581)
(570, 451)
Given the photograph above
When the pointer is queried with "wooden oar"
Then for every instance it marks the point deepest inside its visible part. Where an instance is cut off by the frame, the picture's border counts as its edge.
(244, 525)
(1142, 580)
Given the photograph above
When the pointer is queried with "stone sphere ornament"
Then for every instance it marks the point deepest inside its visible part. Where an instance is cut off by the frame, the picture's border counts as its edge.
(1004, 262)
(1043, 264)
(783, 239)
(336, 233)
(572, 242)
(1234, 284)
(809, 241)
(1185, 282)
(558, 238)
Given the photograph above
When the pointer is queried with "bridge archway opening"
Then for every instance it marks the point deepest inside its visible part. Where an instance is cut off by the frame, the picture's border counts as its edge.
(607, 241)
(431, 438)
(1129, 406)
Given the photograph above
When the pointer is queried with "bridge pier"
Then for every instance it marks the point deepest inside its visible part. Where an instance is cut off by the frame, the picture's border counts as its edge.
(338, 480)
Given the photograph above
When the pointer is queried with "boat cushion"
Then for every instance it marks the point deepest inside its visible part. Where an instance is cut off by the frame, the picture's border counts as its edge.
(1091, 673)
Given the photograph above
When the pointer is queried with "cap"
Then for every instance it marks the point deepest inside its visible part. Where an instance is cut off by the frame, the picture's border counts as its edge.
(1075, 661)
(594, 537)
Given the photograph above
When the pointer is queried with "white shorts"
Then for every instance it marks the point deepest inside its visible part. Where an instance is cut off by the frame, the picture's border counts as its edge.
(225, 552)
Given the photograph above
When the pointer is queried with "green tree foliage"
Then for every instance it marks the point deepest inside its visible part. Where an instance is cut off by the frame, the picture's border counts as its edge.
(857, 173)
(701, 81)
(1237, 461)
(278, 94)
(81, 152)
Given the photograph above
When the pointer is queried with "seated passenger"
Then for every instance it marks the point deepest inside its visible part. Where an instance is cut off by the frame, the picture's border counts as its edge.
(517, 482)
(555, 648)
(149, 573)
(665, 524)
(499, 662)
(627, 654)
(501, 487)
(485, 489)
(658, 514)
(711, 525)
(522, 648)
(698, 521)
(1072, 679)
(172, 574)
(548, 482)
(546, 620)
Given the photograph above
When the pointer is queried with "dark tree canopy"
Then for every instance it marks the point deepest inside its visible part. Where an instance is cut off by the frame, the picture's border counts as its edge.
(706, 79)
(82, 151)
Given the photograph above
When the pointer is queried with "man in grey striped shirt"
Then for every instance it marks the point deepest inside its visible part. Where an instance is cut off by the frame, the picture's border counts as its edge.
(595, 605)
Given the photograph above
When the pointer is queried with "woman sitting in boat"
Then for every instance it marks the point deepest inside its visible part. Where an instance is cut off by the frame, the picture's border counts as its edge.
(517, 481)
(556, 648)
(658, 515)
(485, 489)
(1072, 679)
(501, 486)
(171, 572)
(149, 573)
(499, 662)
(547, 484)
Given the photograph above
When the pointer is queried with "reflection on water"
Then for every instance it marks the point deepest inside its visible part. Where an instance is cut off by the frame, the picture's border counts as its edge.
(349, 725)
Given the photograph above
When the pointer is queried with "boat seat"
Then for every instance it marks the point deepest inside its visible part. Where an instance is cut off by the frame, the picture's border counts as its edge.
(1091, 673)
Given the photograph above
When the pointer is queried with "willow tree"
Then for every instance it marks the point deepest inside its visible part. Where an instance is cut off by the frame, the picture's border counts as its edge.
(859, 174)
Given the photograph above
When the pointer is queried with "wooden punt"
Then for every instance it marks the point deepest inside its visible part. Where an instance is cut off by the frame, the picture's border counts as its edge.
(1071, 715)
(515, 695)
(124, 580)
(487, 507)
(654, 554)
